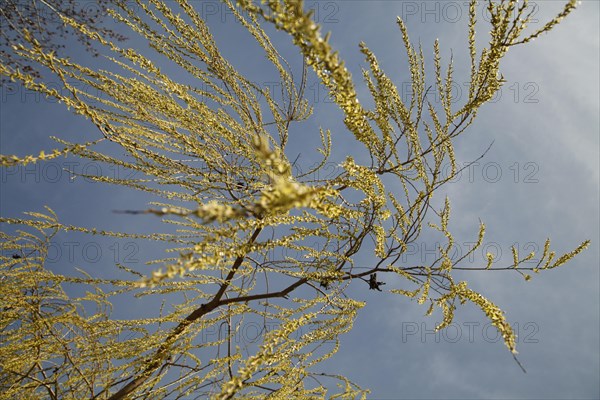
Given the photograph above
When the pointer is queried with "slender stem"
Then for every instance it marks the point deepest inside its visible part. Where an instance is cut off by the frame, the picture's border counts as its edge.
(164, 351)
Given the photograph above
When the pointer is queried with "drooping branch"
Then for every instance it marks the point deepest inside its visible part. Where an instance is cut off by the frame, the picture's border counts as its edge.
(164, 351)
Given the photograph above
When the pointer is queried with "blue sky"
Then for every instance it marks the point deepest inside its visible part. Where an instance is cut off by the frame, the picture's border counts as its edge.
(540, 179)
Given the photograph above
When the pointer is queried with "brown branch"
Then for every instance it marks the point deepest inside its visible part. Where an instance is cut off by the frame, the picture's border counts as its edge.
(281, 293)
(164, 351)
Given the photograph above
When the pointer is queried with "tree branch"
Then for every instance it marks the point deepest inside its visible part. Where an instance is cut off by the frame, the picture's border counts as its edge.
(164, 351)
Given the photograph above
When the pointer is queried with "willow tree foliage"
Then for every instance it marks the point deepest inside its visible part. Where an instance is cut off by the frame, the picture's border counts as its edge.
(239, 200)
(42, 19)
